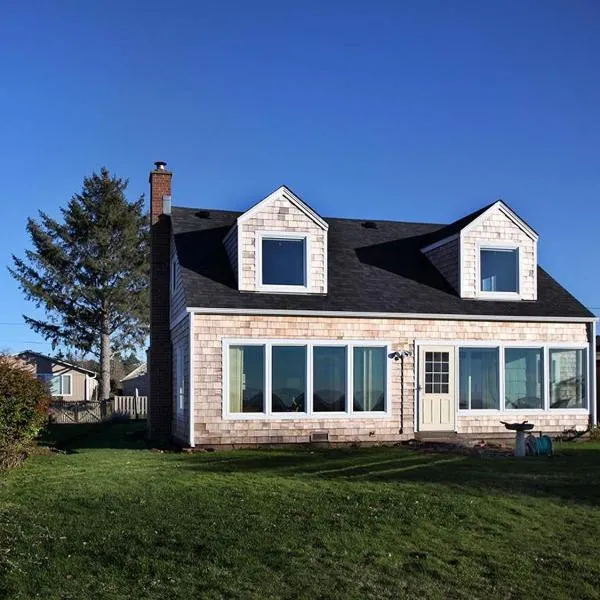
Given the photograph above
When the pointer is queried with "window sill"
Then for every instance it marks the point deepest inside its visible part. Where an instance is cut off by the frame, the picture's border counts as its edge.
(283, 289)
(521, 411)
(508, 296)
(304, 416)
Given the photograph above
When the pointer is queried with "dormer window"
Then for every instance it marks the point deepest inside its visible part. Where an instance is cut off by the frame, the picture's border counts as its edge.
(282, 262)
(498, 271)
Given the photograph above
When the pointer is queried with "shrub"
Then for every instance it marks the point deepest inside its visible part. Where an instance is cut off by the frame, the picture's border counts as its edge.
(24, 403)
(595, 433)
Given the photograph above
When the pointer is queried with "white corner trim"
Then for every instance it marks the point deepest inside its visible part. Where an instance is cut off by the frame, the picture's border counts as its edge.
(440, 243)
(507, 212)
(284, 192)
(383, 315)
(461, 254)
(192, 441)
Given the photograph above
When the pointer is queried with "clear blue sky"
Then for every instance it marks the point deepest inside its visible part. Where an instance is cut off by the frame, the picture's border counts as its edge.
(421, 110)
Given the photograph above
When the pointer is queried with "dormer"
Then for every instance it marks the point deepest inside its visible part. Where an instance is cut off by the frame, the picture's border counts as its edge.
(279, 246)
(488, 255)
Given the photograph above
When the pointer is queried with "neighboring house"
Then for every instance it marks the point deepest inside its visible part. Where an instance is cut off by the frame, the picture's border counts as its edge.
(136, 382)
(67, 381)
(279, 326)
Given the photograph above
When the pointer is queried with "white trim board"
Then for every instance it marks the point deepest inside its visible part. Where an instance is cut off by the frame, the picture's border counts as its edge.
(509, 214)
(303, 236)
(384, 315)
(440, 243)
(284, 192)
(192, 440)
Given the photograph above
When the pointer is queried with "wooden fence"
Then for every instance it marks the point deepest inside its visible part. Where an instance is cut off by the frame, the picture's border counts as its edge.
(64, 411)
(131, 407)
(118, 407)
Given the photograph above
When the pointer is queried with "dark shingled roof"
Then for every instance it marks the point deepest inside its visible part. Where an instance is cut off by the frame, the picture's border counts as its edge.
(377, 269)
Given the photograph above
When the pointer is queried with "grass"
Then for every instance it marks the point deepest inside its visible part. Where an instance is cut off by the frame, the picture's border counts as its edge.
(110, 519)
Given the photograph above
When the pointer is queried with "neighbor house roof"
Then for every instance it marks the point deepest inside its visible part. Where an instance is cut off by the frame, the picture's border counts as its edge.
(59, 361)
(139, 371)
(378, 269)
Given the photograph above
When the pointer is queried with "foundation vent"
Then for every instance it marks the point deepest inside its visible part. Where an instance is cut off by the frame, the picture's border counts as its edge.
(319, 436)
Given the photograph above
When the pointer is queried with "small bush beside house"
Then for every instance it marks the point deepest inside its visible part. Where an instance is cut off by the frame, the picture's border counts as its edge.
(24, 402)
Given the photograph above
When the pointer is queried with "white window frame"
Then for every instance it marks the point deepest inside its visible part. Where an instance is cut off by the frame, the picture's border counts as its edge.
(501, 346)
(496, 245)
(47, 379)
(309, 414)
(179, 379)
(283, 235)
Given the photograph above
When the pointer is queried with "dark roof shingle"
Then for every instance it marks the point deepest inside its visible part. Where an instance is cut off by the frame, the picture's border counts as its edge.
(379, 269)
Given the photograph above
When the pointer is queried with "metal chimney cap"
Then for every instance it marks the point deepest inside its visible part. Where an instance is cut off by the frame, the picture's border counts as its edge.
(160, 165)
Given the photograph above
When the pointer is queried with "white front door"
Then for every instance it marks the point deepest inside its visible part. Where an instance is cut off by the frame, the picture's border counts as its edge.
(437, 404)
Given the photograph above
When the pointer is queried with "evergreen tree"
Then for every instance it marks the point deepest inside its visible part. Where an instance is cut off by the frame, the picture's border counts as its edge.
(90, 273)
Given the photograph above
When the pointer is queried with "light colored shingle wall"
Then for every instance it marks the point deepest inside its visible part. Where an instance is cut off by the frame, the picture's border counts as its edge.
(280, 215)
(446, 260)
(497, 228)
(209, 331)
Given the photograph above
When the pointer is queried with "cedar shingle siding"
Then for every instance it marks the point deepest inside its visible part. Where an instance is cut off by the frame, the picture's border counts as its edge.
(378, 268)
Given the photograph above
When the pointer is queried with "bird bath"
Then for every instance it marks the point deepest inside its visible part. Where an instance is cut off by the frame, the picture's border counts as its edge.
(520, 428)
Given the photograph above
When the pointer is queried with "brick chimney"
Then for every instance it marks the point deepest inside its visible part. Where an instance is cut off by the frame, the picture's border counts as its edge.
(160, 398)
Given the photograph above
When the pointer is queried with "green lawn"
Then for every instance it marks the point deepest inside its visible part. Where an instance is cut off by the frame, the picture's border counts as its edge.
(109, 519)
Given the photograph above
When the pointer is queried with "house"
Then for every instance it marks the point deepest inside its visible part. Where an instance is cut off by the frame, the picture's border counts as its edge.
(136, 382)
(277, 325)
(68, 382)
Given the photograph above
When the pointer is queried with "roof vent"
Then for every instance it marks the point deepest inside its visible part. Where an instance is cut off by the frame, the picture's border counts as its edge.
(369, 225)
(203, 214)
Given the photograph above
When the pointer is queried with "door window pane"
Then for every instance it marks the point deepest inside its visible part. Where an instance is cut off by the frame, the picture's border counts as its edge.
(283, 262)
(523, 378)
(479, 378)
(329, 378)
(369, 379)
(289, 379)
(246, 379)
(499, 270)
(567, 379)
(437, 375)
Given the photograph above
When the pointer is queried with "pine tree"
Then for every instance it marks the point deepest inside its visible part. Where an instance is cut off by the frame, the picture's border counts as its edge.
(90, 273)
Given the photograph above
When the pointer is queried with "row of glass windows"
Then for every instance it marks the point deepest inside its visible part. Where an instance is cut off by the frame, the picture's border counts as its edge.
(287, 390)
(524, 378)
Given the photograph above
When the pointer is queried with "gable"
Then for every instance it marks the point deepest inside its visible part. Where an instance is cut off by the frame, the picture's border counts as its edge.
(283, 197)
(281, 215)
(497, 216)
(498, 227)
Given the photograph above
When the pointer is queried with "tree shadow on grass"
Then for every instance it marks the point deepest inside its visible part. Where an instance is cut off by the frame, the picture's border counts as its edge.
(571, 475)
(71, 437)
